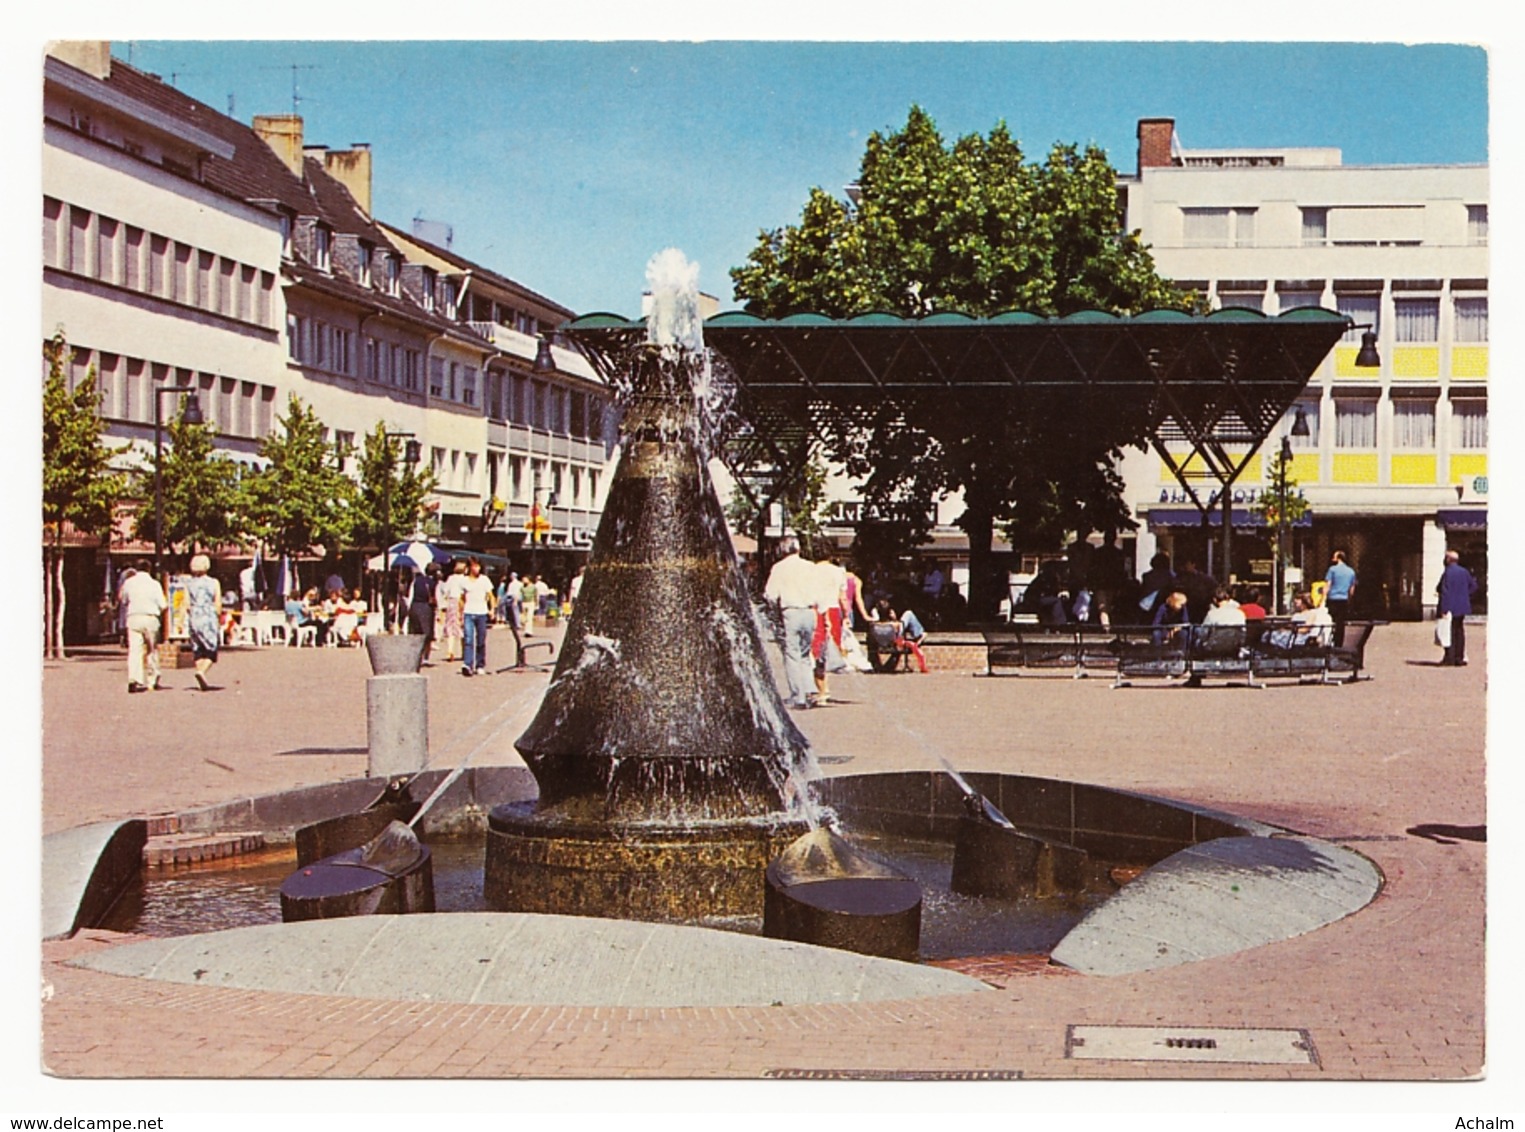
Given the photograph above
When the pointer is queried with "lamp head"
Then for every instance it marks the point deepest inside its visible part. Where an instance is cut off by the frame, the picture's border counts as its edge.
(190, 412)
(1367, 357)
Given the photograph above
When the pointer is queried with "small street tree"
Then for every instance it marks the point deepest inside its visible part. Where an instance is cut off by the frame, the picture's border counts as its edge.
(202, 501)
(78, 486)
(976, 228)
(803, 503)
(300, 499)
(389, 501)
(1279, 507)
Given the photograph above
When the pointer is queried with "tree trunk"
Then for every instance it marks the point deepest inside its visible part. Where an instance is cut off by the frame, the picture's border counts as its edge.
(47, 602)
(62, 604)
(984, 595)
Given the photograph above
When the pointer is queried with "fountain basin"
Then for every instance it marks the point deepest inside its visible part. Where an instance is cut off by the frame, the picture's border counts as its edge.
(537, 862)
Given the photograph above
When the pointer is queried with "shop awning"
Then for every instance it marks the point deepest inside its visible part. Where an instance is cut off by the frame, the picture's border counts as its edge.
(1463, 518)
(1190, 517)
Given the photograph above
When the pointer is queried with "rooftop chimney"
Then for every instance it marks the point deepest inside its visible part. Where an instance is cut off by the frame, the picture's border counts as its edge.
(352, 168)
(1155, 138)
(282, 133)
(93, 56)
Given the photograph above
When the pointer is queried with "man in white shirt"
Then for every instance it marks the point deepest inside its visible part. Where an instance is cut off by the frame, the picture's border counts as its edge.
(143, 601)
(476, 605)
(792, 585)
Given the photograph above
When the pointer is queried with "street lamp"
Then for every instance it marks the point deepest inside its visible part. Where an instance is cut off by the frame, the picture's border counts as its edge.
(191, 415)
(537, 520)
(411, 453)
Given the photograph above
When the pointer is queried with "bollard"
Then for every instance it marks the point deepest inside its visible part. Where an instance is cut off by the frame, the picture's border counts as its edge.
(396, 725)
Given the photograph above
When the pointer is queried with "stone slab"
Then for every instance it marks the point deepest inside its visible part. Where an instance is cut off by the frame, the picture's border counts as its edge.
(1217, 898)
(525, 959)
(84, 870)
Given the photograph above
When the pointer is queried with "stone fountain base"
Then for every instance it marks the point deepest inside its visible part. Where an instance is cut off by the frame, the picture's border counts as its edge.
(644, 871)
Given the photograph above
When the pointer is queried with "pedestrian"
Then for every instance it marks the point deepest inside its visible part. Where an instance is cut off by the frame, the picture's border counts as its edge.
(143, 603)
(420, 608)
(909, 632)
(203, 597)
(477, 601)
(830, 596)
(248, 587)
(791, 588)
(508, 584)
(1156, 582)
(1199, 587)
(1341, 580)
(1455, 590)
(529, 599)
(448, 599)
(574, 589)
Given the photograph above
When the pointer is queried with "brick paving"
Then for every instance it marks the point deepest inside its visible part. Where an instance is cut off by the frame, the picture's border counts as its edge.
(1393, 993)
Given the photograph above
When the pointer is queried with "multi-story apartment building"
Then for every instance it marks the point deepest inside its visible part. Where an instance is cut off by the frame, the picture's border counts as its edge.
(184, 248)
(1394, 464)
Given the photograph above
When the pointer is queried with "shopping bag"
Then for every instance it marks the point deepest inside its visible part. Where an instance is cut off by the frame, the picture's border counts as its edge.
(1443, 630)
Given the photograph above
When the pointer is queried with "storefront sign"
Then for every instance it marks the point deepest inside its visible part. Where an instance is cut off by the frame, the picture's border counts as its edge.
(851, 512)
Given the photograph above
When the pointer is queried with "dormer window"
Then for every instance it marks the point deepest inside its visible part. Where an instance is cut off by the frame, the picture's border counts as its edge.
(447, 292)
(322, 241)
(393, 275)
(428, 288)
(363, 266)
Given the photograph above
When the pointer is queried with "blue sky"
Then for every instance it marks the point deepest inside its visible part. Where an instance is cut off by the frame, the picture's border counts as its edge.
(566, 165)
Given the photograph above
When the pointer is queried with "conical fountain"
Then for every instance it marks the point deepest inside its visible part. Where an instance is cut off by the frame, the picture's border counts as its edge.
(669, 770)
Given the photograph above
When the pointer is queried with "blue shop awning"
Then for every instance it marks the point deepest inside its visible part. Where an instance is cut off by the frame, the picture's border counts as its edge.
(1463, 518)
(1191, 517)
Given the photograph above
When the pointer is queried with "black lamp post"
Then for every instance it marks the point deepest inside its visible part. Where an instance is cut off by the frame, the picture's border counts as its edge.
(191, 415)
(411, 453)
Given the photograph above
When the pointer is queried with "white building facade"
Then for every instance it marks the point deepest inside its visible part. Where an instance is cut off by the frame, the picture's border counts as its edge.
(1395, 465)
(183, 248)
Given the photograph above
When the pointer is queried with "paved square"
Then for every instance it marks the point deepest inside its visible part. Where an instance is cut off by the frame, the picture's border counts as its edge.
(1394, 992)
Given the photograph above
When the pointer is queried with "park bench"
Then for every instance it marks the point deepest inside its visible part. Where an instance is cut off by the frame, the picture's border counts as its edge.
(1321, 659)
(1078, 647)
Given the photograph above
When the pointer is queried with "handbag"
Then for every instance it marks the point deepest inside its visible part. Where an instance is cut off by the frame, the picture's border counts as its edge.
(1443, 630)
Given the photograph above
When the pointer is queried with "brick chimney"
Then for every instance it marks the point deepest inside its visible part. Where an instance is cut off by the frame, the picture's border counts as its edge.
(93, 56)
(282, 133)
(1155, 136)
(352, 168)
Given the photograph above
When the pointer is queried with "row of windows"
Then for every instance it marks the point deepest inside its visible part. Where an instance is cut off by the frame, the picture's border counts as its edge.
(1416, 318)
(550, 408)
(321, 345)
(101, 247)
(1332, 226)
(1413, 424)
(127, 388)
(561, 483)
(481, 308)
(453, 381)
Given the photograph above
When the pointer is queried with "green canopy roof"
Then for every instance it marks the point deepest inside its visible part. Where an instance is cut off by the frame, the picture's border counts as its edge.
(1210, 382)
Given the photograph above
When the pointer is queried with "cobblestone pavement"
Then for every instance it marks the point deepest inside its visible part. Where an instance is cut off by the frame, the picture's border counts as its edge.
(1393, 993)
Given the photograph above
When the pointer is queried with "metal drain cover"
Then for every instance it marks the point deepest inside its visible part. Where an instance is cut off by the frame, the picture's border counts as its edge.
(1190, 1043)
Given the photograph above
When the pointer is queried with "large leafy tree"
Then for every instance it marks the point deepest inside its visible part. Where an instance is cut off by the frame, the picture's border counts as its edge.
(301, 498)
(78, 486)
(972, 227)
(202, 502)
